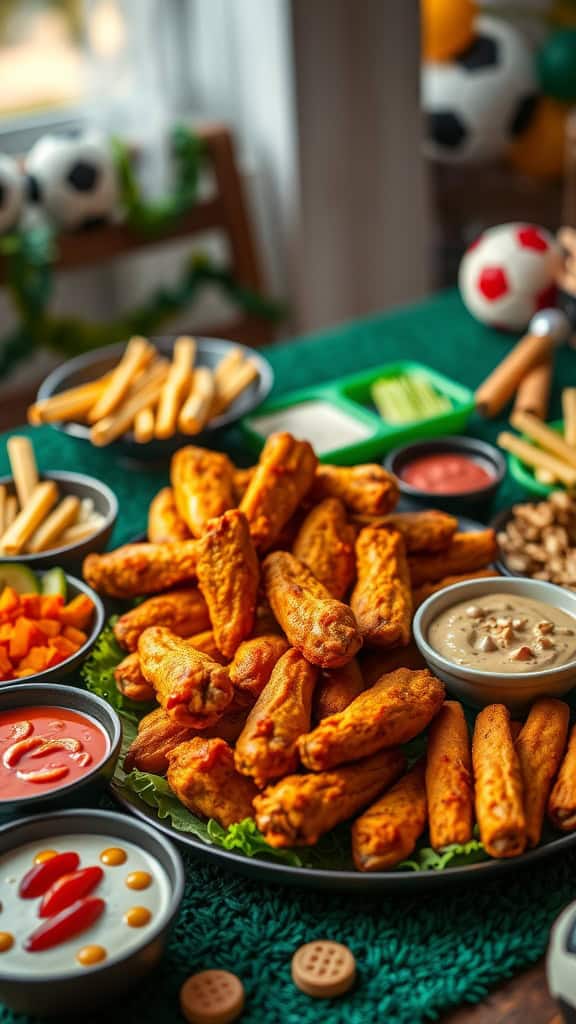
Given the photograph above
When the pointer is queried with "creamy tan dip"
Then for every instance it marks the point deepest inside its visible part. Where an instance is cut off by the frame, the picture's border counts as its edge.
(504, 633)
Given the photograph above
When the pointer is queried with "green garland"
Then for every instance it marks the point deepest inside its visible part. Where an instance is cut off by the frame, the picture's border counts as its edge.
(29, 256)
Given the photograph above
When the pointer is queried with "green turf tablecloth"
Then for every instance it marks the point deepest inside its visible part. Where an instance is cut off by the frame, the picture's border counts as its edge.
(416, 957)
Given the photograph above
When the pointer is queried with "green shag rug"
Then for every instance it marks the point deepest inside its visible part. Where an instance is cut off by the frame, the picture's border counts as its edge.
(417, 957)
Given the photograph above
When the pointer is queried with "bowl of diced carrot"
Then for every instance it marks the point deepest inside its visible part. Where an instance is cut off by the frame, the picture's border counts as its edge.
(48, 624)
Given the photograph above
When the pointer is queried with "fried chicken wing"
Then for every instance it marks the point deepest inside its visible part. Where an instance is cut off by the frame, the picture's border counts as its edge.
(449, 778)
(203, 483)
(193, 688)
(336, 689)
(325, 543)
(323, 629)
(429, 530)
(158, 733)
(283, 476)
(393, 711)
(382, 597)
(425, 590)
(130, 681)
(201, 773)
(183, 611)
(301, 808)
(365, 490)
(466, 553)
(165, 524)
(205, 642)
(228, 575)
(266, 747)
(138, 569)
(388, 831)
(252, 666)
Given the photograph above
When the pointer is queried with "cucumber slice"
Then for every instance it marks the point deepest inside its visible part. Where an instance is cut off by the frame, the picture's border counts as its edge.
(19, 577)
(54, 582)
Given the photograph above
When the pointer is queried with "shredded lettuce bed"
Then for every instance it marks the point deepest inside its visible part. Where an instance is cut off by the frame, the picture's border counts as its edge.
(331, 853)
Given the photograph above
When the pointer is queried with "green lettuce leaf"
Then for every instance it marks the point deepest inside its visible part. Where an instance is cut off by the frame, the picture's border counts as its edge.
(456, 855)
(156, 793)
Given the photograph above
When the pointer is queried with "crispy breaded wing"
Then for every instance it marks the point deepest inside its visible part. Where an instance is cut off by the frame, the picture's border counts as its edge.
(266, 747)
(466, 553)
(391, 712)
(301, 808)
(365, 490)
(425, 590)
(449, 778)
(562, 802)
(252, 666)
(336, 689)
(429, 530)
(388, 831)
(194, 689)
(540, 747)
(138, 569)
(382, 597)
(131, 682)
(228, 575)
(323, 629)
(203, 483)
(205, 642)
(325, 543)
(158, 733)
(201, 773)
(165, 524)
(283, 476)
(498, 784)
(183, 611)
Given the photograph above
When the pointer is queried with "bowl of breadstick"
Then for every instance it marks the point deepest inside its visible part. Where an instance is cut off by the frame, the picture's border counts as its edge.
(148, 396)
(52, 517)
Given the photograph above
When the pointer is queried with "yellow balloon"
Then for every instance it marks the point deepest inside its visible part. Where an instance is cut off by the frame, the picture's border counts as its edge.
(447, 27)
(539, 151)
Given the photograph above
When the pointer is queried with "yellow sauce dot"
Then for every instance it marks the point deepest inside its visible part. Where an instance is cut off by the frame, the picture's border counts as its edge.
(89, 955)
(138, 880)
(6, 941)
(45, 855)
(113, 856)
(137, 917)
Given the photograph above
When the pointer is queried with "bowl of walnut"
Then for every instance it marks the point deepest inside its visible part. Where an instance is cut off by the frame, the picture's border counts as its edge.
(538, 539)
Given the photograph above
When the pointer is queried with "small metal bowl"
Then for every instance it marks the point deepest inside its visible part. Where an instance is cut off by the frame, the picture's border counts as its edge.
(65, 668)
(209, 352)
(27, 695)
(70, 556)
(78, 991)
(475, 504)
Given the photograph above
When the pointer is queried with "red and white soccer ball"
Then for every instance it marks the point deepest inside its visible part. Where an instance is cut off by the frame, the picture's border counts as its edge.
(508, 274)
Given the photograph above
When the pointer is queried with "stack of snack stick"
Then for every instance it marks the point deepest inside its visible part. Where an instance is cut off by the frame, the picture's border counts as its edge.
(552, 455)
(150, 395)
(36, 518)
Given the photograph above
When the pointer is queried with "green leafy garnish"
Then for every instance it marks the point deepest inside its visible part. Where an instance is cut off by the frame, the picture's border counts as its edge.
(156, 793)
(456, 855)
(245, 836)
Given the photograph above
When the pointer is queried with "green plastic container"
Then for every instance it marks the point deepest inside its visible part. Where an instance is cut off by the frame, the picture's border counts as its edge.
(352, 395)
(524, 475)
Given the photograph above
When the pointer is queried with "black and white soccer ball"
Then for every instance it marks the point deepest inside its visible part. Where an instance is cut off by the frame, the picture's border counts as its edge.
(74, 179)
(478, 102)
(12, 194)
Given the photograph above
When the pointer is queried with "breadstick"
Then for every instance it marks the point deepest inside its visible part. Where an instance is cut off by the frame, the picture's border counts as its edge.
(78, 532)
(23, 466)
(149, 388)
(196, 408)
(536, 458)
(10, 512)
(501, 384)
(44, 497)
(144, 425)
(544, 436)
(72, 404)
(137, 355)
(533, 395)
(175, 386)
(48, 533)
(228, 365)
(234, 386)
(569, 411)
(544, 476)
(3, 496)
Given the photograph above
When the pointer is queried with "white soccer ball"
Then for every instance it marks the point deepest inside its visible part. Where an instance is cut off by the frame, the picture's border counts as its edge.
(74, 179)
(508, 274)
(12, 190)
(478, 102)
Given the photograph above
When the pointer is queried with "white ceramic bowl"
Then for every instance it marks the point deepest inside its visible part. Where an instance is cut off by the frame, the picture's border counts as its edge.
(478, 688)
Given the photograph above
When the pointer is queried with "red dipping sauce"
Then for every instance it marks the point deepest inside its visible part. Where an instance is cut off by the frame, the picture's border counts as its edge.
(44, 748)
(446, 473)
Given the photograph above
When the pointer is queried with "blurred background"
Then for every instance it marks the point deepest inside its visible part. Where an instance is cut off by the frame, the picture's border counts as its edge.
(373, 141)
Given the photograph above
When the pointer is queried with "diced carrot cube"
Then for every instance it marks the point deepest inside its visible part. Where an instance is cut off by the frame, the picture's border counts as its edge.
(37, 659)
(24, 636)
(55, 656)
(5, 664)
(51, 606)
(50, 627)
(6, 632)
(21, 673)
(9, 601)
(63, 646)
(31, 605)
(76, 636)
(78, 612)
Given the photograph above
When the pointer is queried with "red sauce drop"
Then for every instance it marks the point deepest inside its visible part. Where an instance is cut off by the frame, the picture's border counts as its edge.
(446, 473)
